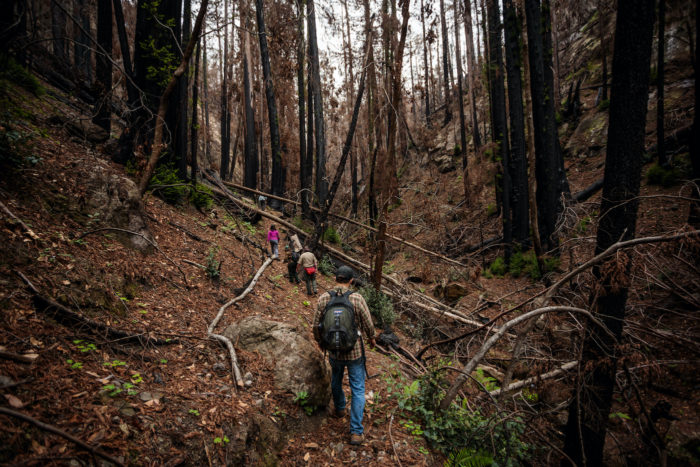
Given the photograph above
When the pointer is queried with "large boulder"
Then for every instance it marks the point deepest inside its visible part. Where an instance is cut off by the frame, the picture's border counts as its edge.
(299, 365)
(114, 201)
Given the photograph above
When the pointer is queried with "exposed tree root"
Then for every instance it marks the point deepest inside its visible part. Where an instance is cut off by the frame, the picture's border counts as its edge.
(238, 379)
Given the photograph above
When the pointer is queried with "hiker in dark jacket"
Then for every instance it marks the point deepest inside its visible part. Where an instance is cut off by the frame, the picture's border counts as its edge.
(354, 360)
(291, 261)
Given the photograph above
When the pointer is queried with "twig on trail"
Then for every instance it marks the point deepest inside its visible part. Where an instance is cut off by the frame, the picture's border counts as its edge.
(238, 379)
(194, 264)
(194, 236)
(52, 429)
(17, 383)
(391, 438)
(15, 357)
(67, 316)
(30, 232)
(151, 242)
(490, 342)
(549, 292)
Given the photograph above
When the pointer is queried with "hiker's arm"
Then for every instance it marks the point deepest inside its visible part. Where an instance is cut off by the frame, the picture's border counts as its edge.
(366, 323)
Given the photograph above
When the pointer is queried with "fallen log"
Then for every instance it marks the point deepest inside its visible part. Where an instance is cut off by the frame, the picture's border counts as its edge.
(238, 379)
(66, 316)
(589, 191)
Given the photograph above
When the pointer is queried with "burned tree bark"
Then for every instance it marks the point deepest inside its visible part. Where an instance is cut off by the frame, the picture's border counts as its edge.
(588, 412)
(103, 65)
(518, 159)
(277, 181)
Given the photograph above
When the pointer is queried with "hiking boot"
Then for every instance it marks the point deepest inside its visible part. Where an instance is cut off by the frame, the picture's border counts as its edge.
(356, 439)
(339, 413)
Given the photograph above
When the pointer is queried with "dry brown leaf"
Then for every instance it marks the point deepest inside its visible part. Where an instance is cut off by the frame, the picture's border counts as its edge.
(307, 456)
(311, 445)
(14, 401)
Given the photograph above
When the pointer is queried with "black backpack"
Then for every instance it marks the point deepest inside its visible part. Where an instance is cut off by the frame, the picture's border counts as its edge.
(337, 327)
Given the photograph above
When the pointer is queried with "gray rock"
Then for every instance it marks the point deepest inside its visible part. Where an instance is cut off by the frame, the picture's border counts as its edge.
(299, 365)
(114, 200)
(353, 454)
(444, 163)
(218, 366)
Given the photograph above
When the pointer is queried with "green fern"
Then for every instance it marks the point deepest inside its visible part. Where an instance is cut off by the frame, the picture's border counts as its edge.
(469, 458)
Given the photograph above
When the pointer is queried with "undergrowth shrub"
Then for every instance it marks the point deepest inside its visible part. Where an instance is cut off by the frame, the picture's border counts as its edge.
(12, 72)
(330, 235)
(213, 266)
(379, 305)
(164, 176)
(326, 266)
(664, 176)
(521, 263)
(166, 183)
(465, 435)
(201, 197)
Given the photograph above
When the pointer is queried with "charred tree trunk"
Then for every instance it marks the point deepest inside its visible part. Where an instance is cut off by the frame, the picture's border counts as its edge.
(518, 159)
(224, 114)
(103, 66)
(473, 73)
(372, 139)
(194, 146)
(548, 158)
(205, 92)
(250, 179)
(277, 180)
(589, 410)
(694, 214)
(82, 51)
(460, 104)
(319, 124)
(183, 107)
(445, 63)
(660, 146)
(304, 167)
(499, 133)
(310, 149)
(426, 89)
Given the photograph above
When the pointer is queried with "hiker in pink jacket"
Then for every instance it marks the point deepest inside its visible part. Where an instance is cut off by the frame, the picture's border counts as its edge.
(273, 238)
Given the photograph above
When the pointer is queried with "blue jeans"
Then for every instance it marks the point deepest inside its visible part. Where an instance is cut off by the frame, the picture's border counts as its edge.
(356, 375)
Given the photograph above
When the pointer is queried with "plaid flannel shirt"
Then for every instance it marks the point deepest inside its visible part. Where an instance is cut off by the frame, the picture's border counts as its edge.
(363, 320)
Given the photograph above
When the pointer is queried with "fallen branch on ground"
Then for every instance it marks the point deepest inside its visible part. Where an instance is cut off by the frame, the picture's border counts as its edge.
(526, 382)
(69, 317)
(190, 234)
(19, 358)
(491, 341)
(52, 429)
(547, 294)
(238, 379)
(29, 231)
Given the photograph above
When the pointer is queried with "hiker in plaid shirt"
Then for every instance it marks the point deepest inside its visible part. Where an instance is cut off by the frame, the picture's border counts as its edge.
(354, 360)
